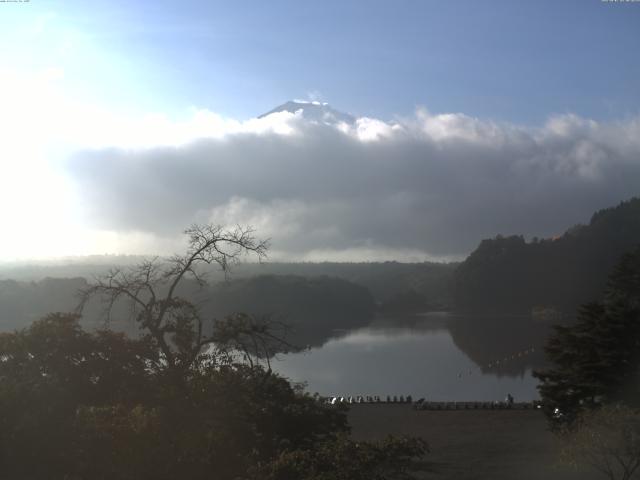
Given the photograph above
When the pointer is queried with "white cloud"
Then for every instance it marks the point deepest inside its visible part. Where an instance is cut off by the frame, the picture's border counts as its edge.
(370, 129)
(426, 187)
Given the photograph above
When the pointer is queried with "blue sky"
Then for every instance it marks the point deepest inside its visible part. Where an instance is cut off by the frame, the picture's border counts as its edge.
(505, 60)
(124, 122)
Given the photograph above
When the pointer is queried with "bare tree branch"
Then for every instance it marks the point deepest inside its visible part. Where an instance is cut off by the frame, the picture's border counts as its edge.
(150, 289)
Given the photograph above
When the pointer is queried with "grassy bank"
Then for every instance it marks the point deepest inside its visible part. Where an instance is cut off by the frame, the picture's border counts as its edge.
(472, 444)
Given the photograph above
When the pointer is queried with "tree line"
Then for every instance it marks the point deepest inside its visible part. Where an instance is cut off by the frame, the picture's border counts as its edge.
(509, 274)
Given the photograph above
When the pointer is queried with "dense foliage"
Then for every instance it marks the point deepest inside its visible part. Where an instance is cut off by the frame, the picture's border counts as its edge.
(509, 274)
(78, 405)
(186, 398)
(596, 361)
(345, 459)
(99, 405)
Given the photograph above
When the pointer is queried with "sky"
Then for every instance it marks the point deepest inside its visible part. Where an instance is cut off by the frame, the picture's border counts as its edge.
(121, 123)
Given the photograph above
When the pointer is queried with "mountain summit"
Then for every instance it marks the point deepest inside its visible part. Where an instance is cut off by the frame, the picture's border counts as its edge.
(319, 112)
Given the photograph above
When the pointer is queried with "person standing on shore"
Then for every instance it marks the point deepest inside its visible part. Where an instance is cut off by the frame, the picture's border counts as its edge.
(509, 400)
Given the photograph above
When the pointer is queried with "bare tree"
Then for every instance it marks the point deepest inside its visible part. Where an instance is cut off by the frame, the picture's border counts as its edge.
(607, 440)
(174, 323)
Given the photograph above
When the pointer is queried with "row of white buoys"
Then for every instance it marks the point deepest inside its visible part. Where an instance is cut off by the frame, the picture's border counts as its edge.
(423, 404)
(474, 405)
(501, 362)
(368, 399)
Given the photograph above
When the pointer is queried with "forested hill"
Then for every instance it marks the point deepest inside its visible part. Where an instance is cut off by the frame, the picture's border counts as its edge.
(394, 286)
(508, 274)
(313, 307)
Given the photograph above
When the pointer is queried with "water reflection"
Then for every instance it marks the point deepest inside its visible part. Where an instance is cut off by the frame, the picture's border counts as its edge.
(503, 345)
(439, 357)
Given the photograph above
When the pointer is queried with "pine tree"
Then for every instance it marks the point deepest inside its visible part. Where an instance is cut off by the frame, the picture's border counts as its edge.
(596, 360)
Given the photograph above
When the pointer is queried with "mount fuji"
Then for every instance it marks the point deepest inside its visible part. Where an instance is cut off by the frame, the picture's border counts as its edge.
(319, 112)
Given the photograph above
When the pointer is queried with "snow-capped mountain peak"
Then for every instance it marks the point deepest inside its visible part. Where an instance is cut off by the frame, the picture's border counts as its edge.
(313, 111)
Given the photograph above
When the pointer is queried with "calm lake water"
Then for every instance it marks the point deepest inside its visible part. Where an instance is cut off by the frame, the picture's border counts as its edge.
(421, 360)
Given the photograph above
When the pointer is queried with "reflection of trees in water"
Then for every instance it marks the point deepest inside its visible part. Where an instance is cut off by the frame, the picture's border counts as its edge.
(308, 333)
(501, 345)
(315, 333)
(504, 346)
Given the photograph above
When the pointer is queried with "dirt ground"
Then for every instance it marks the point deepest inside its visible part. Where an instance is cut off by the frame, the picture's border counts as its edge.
(472, 444)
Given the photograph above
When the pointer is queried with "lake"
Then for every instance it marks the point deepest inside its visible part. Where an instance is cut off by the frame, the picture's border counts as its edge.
(440, 357)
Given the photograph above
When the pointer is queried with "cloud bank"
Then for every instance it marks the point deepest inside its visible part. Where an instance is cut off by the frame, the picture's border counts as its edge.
(425, 187)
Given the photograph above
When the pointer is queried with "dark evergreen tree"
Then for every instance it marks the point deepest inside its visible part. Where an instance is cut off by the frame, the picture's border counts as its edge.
(596, 360)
